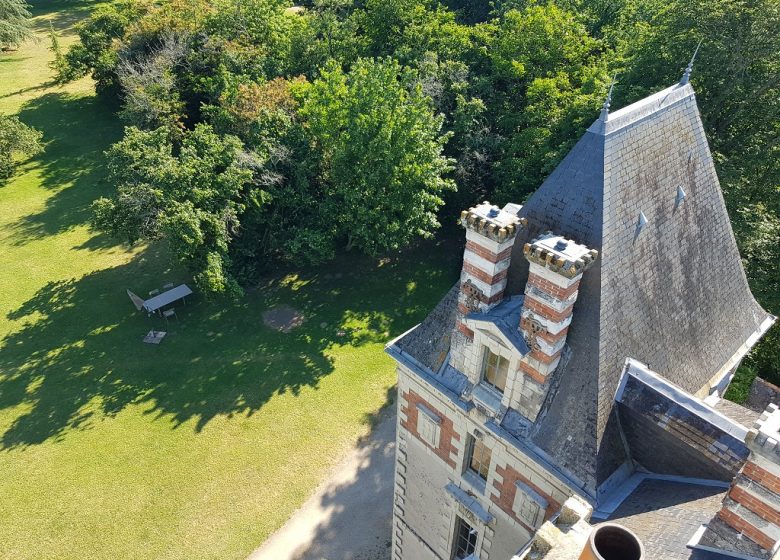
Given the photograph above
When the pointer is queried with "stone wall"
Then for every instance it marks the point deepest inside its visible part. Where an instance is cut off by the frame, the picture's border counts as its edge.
(431, 490)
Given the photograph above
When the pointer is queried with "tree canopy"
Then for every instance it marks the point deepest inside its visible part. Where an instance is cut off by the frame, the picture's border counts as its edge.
(351, 122)
(14, 23)
(16, 139)
(379, 152)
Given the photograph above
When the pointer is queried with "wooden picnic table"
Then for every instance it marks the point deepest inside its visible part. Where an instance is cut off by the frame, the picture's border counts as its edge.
(156, 303)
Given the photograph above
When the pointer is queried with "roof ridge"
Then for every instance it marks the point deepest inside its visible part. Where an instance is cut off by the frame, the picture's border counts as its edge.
(640, 110)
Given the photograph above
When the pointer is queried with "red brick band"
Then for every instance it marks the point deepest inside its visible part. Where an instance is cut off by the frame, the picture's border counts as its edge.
(446, 451)
(506, 494)
(486, 253)
(746, 528)
(531, 372)
(550, 288)
(544, 358)
(465, 330)
(764, 511)
(762, 476)
(546, 311)
(483, 276)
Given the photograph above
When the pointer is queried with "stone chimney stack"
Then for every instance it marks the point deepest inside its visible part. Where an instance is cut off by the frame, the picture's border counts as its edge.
(556, 268)
(752, 506)
(490, 236)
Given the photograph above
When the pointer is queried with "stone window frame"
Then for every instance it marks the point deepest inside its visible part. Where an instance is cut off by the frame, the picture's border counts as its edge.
(486, 340)
(473, 476)
(428, 426)
(487, 355)
(529, 506)
(458, 511)
(460, 522)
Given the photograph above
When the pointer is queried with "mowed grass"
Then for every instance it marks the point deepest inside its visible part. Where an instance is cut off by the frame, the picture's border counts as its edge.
(204, 445)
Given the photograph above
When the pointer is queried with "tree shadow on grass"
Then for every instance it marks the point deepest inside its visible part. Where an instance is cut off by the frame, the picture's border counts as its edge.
(79, 355)
(349, 517)
(28, 89)
(76, 131)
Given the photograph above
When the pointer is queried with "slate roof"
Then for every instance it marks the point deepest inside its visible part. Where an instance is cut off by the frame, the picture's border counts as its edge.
(429, 342)
(665, 515)
(738, 413)
(668, 432)
(506, 317)
(672, 295)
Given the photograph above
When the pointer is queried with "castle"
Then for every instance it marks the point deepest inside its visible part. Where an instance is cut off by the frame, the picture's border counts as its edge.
(573, 378)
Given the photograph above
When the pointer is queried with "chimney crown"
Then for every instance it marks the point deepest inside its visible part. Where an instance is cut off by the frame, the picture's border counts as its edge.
(492, 222)
(764, 438)
(560, 255)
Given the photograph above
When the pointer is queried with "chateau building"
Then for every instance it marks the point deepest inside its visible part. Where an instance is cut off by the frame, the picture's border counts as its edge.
(574, 375)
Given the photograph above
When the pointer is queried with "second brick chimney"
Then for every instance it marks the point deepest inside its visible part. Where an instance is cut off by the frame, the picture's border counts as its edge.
(555, 270)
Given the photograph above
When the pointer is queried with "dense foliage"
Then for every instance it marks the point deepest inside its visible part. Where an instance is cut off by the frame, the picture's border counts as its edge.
(14, 23)
(16, 139)
(350, 121)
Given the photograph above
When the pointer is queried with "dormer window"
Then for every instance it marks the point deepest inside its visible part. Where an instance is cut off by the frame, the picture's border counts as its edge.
(494, 370)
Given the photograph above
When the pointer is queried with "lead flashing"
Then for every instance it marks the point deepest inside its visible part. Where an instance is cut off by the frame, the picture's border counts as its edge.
(642, 109)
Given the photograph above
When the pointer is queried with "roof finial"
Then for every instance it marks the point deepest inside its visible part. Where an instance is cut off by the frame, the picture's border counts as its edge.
(605, 108)
(687, 75)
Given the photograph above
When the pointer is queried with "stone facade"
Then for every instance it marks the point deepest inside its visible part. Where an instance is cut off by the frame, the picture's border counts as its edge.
(434, 486)
(752, 506)
(515, 399)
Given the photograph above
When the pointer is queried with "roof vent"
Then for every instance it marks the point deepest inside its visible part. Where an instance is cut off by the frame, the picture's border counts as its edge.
(610, 541)
(680, 197)
(640, 224)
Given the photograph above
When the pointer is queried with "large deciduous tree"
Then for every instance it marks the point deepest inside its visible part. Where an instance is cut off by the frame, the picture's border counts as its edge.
(14, 22)
(16, 138)
(548, 80)
(379, 144)
(191, 195)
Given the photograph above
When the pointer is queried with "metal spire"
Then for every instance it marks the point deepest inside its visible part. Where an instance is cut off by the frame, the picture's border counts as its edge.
(605, 108)
(687, 75)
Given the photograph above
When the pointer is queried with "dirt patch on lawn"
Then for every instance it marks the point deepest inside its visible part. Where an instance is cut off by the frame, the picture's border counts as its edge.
(283, 318)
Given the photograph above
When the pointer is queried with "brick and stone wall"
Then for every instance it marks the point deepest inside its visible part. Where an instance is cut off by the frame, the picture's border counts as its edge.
(426, 506)
(556, 268)
(448, 437)
(506, 481)
(752, 506)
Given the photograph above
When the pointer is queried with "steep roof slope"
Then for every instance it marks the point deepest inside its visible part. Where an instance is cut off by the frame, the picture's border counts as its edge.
(672, 293)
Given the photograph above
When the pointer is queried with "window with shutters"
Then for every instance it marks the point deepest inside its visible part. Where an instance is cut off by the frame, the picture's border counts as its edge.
(529, 505)
(428, 425)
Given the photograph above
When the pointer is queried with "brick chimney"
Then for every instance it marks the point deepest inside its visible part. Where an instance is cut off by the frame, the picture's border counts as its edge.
(752, 505)
(490, 236)
(556, 268)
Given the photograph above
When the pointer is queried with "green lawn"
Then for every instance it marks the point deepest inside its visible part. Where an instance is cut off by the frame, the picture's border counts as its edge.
(198, 448)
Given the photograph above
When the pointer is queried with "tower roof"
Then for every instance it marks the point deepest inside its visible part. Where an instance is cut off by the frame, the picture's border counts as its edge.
(668, 290)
